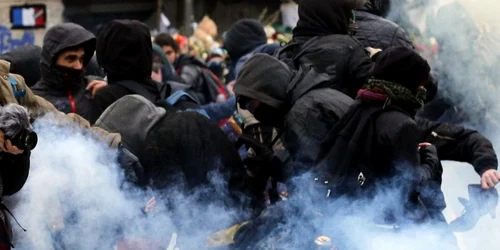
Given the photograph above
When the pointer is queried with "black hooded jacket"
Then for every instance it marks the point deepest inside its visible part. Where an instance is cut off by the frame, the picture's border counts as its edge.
(377, 32)
(25, 61)
(321, 39)
(66, 94)
(311, 107)
(455, 143)
(124, 51)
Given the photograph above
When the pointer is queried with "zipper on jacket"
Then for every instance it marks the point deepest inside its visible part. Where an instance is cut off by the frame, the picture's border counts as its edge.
(72, 102)
(436, 135)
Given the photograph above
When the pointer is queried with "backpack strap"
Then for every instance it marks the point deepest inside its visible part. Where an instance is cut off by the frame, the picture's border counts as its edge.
(174, 98)
(17, 93)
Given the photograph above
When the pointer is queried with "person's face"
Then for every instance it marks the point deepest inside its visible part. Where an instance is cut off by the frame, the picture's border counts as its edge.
(72, 59)
(170, 53)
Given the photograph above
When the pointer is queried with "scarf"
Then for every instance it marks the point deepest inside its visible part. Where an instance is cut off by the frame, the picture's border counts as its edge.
(393, 93)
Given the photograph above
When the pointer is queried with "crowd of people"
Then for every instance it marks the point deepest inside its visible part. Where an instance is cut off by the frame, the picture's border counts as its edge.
(350, 106)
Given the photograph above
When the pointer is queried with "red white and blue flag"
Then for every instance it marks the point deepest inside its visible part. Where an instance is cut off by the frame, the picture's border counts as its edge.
(28, 16)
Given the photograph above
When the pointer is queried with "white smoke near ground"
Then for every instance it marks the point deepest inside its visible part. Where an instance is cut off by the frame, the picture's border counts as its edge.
(75, 198)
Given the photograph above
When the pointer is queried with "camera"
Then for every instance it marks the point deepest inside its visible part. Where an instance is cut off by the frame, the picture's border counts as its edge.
(15, 124)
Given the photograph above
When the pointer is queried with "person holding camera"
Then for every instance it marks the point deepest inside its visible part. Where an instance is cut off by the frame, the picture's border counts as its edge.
(16, 141)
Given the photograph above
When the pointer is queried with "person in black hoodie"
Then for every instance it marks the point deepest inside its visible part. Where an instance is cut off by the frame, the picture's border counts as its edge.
(377, 142)
(377, 32)
(25, 61)
(304, 112)
(67, 49)
(124, 50)
(321, 38)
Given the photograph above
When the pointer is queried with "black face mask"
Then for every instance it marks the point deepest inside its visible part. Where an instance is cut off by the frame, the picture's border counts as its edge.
(269, 115)
(68, 74)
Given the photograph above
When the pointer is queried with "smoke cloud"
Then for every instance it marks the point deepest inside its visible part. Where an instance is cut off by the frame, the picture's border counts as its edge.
(75, 198)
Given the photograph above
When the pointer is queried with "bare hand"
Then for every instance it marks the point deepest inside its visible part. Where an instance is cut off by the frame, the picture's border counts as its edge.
(150, 206)
(373, 51)
(230, 87)
(96, 85)
(157, 76)
(7, 146)
(424, 144)
(490, 178)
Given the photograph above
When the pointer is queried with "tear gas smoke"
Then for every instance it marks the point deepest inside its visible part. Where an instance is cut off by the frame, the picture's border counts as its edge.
(74, 199)
(469, 57)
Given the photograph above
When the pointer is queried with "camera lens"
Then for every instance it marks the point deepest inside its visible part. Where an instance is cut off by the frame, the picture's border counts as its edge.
(30, 140)
(25, 140)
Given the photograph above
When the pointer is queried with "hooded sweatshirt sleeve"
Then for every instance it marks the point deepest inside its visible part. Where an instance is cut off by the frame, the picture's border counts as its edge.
(456, 143)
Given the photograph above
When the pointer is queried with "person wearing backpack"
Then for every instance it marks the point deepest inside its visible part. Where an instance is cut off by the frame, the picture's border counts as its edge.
(377, 144)
(323, 38)
(124, 50)
(298, 103)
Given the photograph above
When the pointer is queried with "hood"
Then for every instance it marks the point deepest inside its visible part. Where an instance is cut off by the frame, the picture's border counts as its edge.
(377, 7)
(62, 37)
(25, 61)
(116, 119)
(184, 60)
(56, 40)
(274, 84)
(168, 69)
(266, 82)
(243, 37)
(124, 50)
(305, 80)
(324, 17)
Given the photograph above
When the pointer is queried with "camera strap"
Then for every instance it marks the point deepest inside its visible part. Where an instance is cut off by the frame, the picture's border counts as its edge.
(17, 93)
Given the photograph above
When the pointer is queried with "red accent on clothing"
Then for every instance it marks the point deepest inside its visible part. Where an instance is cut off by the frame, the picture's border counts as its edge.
(364, 94)
(72, 102)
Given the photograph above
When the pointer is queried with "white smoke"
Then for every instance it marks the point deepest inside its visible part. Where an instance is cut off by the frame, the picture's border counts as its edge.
(74, 199)
(479, 96)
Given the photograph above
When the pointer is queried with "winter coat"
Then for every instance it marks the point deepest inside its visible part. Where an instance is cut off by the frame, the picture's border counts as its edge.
(126, 58)
(25, 61)
(374, 146)
(456, 143)
(377, 32)
(311, 107)
(68, 95)
(13, 176)
(198, 78)
(342, 57)
(321, 39)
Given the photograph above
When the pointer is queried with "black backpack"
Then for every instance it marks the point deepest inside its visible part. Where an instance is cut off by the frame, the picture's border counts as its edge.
(340, 170)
